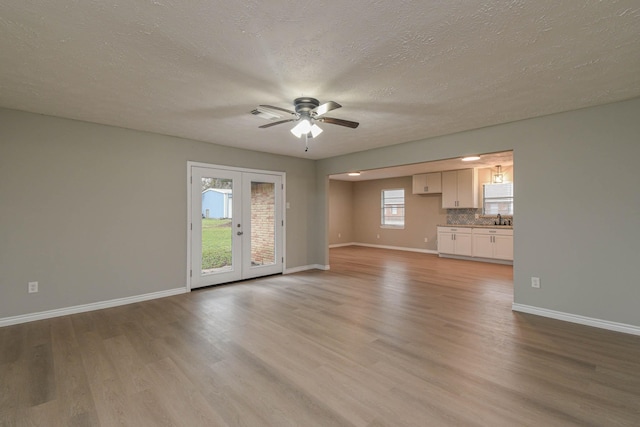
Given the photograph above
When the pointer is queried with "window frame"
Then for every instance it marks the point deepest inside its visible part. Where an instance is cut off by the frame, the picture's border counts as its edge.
(509, 199)
(396, 206)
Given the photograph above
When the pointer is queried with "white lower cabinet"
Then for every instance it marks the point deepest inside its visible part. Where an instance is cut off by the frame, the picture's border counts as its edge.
(488, 243)
(493, 243)
(455, 241)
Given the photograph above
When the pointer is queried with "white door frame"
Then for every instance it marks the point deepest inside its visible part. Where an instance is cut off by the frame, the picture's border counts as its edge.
(282, 175)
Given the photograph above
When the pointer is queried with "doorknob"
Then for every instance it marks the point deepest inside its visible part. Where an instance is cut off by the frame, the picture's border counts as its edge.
(240, 233)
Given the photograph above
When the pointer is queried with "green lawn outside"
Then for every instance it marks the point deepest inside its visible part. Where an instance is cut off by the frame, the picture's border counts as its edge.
(216, 243)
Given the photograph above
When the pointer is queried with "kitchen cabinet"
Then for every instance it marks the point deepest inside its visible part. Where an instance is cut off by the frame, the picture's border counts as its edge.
(455, 241)
(493, 243)
(427, 183)
(460, 189)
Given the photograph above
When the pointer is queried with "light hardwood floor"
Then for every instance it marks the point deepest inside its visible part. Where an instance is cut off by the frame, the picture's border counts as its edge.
(385, 338)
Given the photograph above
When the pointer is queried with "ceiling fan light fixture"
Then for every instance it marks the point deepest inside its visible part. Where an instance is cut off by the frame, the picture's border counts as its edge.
(315, 130)
(302, 128)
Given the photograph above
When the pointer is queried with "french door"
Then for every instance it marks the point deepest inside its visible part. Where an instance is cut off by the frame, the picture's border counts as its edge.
(236, 224)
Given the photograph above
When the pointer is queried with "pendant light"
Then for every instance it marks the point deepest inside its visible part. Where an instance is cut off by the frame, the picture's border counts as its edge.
(498, 177)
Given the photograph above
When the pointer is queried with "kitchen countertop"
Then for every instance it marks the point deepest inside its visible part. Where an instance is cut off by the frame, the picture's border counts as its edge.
(507, 227)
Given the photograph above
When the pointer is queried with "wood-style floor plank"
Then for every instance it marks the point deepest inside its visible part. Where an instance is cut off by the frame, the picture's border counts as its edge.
(385, 338)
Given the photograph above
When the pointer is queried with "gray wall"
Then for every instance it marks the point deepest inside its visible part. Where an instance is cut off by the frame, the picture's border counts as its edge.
(95, 213)
(340, 212)
(577, 203)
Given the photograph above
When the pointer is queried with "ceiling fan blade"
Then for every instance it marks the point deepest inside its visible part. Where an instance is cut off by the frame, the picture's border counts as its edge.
(268, 115)
(325, 108)
(340, 122)
(271, 107)
(268, 125)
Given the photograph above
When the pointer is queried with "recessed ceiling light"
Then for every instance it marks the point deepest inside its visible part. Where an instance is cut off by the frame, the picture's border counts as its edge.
(470, 158)
(354, 174)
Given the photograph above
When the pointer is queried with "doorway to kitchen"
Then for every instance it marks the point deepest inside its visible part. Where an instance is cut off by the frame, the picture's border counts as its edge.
(236, 224)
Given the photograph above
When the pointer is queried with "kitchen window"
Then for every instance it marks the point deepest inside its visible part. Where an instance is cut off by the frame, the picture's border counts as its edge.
(392, 208)
(498, 199)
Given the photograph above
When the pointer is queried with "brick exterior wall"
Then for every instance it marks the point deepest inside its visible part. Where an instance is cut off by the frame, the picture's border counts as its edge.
(263, 200)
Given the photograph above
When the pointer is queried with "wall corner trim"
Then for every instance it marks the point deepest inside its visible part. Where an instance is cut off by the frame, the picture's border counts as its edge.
(24, 318)
(574, 318)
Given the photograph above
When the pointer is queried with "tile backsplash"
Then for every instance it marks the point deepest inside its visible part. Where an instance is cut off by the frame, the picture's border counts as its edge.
(468, 217)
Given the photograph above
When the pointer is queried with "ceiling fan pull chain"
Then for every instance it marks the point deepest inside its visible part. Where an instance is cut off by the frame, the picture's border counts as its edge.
(306, 142)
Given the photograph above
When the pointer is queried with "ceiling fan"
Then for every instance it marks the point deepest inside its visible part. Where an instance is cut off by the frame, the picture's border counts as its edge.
(307, 112)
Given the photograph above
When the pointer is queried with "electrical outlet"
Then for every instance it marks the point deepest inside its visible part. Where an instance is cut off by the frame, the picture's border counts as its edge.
(477, 216)
(377, 236)
(426, 239)
(535, 282)
(339, 235)
(33, 287)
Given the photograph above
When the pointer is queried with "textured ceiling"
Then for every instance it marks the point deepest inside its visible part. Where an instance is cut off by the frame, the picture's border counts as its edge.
(405, 70)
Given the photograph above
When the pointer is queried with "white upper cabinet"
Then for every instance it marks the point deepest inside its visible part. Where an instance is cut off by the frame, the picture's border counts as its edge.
(427, 183)
(460, 189)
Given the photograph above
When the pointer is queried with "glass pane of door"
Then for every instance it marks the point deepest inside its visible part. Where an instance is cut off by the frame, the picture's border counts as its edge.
(263, 223)
(215, 230)
(216, 225)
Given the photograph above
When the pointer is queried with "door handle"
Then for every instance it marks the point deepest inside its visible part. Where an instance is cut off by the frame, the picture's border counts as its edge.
(240, 233)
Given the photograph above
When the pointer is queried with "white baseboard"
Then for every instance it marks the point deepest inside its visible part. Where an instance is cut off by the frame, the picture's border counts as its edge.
(339, 245)
(305, 268)
(477, 259)
(397, 248)
(24, 318)
(574, 318)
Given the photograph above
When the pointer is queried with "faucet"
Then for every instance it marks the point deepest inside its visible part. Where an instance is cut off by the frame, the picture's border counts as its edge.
(499, 219)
